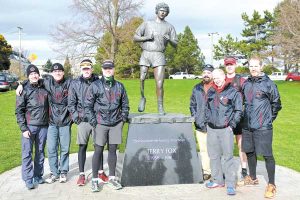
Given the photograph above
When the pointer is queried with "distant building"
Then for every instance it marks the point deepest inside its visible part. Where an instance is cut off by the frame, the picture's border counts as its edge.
(14, 60)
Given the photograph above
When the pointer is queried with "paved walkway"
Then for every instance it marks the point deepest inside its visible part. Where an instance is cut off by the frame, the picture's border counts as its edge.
(13, 188)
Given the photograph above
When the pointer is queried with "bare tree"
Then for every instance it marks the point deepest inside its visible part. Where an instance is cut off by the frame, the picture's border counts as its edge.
(81, 36)
(287, 34)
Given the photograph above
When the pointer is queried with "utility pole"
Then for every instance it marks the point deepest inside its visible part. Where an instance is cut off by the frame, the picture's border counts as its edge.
(20, 51)
(212, 45)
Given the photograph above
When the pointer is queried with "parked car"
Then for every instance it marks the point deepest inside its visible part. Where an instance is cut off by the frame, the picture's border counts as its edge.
(293, 76)
(182, 75)
(277, 76)
(8, 82)
(198, 76)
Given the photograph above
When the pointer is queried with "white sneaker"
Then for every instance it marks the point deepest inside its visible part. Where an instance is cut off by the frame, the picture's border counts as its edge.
(52, 178)
(63, 178)
(114, 184)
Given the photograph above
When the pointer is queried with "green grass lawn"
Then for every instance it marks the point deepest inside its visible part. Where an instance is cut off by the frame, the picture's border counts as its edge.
(177, 95)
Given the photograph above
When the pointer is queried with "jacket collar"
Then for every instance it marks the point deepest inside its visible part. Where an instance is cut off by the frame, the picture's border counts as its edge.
(224, 87)
(91, 79)
(106, 82)
(258, 78)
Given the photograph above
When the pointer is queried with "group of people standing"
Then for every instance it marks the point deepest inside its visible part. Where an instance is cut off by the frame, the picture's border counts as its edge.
(227, 105)
(46, 109)
(224, 106)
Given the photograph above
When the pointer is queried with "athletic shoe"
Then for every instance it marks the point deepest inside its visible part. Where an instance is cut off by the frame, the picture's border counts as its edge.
(38, 180)
(52, 178)
(29, 185)
(97, 185)
(212, 184)
(81, 180)
(63, 178)
(103, 177)
(230, 191)
(113, 183)
(249, 182)
(270, 191)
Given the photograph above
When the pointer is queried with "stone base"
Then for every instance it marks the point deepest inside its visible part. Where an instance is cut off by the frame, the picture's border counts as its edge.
(160, 150)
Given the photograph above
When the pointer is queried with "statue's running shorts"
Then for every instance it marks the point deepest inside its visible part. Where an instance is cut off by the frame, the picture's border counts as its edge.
(152, 59)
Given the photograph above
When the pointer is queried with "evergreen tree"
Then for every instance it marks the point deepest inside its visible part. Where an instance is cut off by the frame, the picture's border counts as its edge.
(5, 52)
(129, 52)
(227, 46)
(67, 67)
(170, 54)
(47, 66)
(188, 56)
(258, 30)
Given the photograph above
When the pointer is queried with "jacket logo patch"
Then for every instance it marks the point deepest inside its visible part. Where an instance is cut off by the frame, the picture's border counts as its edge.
(58, 96)
(41, 98)
(258, 93)
(224, 100)
(65, 93)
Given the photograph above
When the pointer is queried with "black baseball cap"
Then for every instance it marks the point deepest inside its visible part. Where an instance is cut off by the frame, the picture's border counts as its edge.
(108, 64)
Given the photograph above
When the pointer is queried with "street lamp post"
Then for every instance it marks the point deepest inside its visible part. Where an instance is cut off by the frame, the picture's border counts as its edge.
(20, 51)
(212, 44)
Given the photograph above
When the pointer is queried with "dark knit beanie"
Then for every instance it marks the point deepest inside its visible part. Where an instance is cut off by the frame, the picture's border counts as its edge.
(57, 66)
(32, 68)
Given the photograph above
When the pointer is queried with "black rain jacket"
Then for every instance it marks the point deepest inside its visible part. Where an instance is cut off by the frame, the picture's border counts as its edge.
(76, 97)
(224, 108)
(197, 107)
(106, 104)
(32, 107)
(262, 103)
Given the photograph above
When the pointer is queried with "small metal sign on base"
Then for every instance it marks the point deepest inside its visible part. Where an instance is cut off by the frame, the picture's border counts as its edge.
(160, 150)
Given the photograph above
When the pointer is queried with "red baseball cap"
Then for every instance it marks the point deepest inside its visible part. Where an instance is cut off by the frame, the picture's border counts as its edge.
(229, 61)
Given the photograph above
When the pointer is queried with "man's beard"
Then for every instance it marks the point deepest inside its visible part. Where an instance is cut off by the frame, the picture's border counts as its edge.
(206, 80)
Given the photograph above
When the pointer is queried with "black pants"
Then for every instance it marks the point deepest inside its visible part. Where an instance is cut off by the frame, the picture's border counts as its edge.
(98, 156)
(270, 165)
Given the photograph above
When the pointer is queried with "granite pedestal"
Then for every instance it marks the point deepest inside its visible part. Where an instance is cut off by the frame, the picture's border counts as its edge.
(160, 150)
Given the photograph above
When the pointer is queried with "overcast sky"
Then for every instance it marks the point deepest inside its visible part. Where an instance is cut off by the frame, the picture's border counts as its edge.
(38, 17)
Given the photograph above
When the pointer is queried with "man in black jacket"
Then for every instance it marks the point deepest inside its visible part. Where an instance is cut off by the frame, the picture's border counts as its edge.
(224, 110)
(59, 131)
(77, 94)
(32, 116)
(107, 108)
(197, 108)
(262, 104)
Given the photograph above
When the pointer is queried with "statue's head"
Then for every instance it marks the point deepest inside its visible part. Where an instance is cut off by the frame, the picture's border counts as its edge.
(162, 6)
